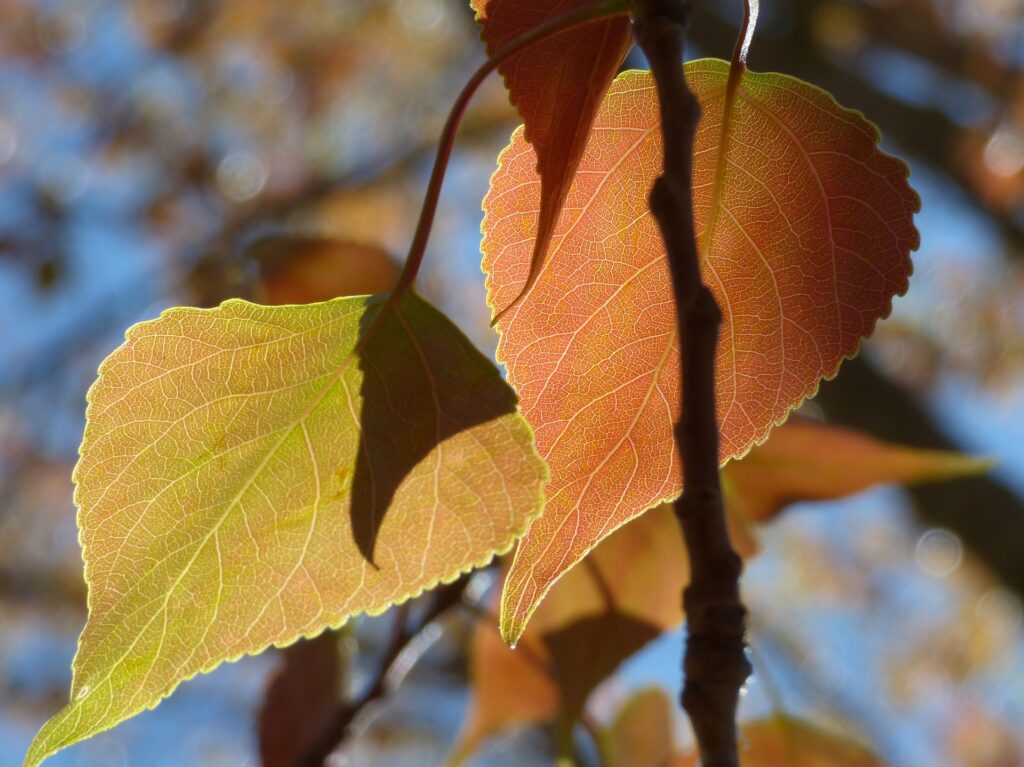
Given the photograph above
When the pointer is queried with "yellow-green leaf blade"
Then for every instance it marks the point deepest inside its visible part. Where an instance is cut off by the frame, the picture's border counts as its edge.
(247, 478)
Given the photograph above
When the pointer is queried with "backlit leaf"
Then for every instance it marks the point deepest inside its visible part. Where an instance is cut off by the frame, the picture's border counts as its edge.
(807, 461)
(557, 86)
(248, 477)
(812, 243)
(626, 593)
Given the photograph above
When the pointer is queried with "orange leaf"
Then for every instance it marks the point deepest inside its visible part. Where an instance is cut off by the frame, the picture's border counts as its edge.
(806, 461)
(557, 86)
(642, 734)
(628, 592)
(511, 688)
(812, 242)
(785, 742)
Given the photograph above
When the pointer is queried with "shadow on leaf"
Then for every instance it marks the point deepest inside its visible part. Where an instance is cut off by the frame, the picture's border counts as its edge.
(410, 408)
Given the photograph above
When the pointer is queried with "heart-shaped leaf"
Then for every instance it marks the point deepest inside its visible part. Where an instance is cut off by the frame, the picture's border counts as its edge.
(557, 86)
(812, 241)
(250, 475)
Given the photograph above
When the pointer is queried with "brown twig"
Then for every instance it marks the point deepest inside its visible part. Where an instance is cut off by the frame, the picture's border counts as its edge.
(715, 665)
(406, 632)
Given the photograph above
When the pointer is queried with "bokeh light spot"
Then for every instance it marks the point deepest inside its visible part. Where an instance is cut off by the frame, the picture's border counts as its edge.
(938, 553)
(1004, 152)
(241, 176)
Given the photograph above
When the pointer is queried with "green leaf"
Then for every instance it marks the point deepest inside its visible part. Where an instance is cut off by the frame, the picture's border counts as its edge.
(250, 475)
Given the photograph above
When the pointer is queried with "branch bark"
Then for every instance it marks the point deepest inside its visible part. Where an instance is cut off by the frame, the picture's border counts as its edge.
(715, 665)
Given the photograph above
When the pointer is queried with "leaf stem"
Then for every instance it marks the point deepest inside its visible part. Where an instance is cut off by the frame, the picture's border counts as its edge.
(601, 9)
(715, 665)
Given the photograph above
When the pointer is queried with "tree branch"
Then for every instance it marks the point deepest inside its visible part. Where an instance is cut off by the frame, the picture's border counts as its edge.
(715, 665)
(406, 631)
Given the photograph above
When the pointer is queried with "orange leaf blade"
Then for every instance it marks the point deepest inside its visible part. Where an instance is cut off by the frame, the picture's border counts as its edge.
(812, 243)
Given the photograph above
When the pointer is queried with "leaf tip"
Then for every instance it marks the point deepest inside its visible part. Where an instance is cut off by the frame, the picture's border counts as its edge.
(967, 465)
(42, 746)
(511, 626)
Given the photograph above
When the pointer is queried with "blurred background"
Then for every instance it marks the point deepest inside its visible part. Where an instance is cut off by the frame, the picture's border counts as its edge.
(163, 152)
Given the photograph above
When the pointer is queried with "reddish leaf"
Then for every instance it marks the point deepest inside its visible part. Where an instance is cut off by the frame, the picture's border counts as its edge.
(627, 593)
(302, 269)
(300, 699)
(806, 461)
(812, 243)
(557, 86)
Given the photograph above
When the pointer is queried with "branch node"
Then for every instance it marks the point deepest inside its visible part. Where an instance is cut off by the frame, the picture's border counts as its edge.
(706, 307)
(701, 500)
